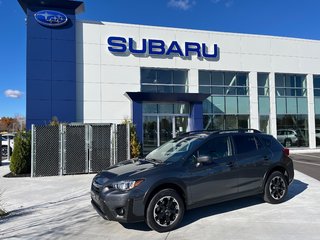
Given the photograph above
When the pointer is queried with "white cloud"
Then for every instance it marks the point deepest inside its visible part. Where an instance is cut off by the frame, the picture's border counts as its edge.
(181, 4)
(13, 93)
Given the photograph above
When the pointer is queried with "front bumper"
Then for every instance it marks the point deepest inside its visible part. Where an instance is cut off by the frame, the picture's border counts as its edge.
(115, 205)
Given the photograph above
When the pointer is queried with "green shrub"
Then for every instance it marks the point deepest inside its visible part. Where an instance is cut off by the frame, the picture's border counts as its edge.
(21, 157)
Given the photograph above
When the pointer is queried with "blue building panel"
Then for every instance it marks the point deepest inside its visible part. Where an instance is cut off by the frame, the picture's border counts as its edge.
(41, 49)
(39, 70)
(65, 109)
(51, 58)
(39, 109)
(64, 90)
(63, 50)
(61, 71)
(39, 90)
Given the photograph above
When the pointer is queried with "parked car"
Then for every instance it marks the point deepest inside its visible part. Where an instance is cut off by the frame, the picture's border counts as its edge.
(192, 170)
(290, 137)
(4, 143)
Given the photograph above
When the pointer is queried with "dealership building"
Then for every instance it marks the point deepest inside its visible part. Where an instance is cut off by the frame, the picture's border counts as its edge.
(168, 80)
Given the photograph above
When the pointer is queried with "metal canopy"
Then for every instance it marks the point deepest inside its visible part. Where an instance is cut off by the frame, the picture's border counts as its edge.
(166, 97)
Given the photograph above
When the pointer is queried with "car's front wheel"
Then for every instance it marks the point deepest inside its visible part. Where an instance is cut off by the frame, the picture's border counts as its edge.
(276, 188)
(165, 211)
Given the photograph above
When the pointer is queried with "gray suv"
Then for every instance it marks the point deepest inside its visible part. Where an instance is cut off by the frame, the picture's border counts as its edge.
(192, 170)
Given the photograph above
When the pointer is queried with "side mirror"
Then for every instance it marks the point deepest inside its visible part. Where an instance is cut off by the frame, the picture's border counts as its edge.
(204, 159)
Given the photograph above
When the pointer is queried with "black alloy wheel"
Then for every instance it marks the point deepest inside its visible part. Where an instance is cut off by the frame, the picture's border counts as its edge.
(276, 188)
(165, 211)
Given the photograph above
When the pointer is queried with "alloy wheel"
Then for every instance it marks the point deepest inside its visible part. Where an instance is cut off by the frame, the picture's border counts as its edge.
(166, 211)
(277, 187)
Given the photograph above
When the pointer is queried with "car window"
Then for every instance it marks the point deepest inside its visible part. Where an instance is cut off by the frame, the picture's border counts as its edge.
(216, 148)
(271, 143)
(246, 143)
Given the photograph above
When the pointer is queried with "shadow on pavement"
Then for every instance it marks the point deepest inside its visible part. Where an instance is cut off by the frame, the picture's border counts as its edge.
(193, 215)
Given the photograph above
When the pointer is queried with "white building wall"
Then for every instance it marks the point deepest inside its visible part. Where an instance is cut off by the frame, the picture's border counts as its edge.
(103, 77)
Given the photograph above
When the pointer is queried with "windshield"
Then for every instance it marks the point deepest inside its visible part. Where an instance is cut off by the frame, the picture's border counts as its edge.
(175, 149)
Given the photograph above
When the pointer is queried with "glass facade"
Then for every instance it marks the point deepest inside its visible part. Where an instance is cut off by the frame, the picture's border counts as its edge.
(264, 102)
(316, 91)
(164, 80)
(228, 106)
(292, 110)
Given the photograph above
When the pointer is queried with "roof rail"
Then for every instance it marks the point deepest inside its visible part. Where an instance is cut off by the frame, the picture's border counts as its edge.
(241, 130)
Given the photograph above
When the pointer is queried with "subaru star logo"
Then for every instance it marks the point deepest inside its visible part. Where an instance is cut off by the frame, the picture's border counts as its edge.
(50, 18)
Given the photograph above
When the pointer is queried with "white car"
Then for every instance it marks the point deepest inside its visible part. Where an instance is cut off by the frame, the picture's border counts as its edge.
(4, 143)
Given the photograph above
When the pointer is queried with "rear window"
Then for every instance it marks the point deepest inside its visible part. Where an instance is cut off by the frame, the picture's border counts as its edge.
(246, 143)
(271, 142)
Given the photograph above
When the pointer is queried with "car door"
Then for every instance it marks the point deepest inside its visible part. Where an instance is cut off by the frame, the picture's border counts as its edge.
(252, 161)
(207, 181)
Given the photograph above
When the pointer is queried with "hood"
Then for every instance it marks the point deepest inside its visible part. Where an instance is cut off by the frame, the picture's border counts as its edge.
(127, 170)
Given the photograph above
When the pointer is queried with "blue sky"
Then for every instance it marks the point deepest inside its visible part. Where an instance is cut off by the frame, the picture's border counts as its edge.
(290, 18)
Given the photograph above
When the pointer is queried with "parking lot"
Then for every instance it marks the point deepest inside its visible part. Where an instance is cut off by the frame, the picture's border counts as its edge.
(59, 208)
(308, 163)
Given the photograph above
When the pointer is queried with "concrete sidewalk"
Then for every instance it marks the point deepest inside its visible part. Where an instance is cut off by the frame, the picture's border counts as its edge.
(59, 208)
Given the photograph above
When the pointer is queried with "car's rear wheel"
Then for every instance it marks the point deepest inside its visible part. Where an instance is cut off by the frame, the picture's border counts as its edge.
(276, 188)
(165, 211)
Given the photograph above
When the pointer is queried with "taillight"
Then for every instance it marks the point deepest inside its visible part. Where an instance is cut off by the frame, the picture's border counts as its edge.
(286, 151)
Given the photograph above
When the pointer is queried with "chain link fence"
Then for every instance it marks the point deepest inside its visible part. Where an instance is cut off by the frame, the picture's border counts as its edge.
(75, 149)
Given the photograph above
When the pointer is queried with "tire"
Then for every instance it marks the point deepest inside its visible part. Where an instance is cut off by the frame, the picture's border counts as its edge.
(276, 188)
(165, 211)
(287, 143)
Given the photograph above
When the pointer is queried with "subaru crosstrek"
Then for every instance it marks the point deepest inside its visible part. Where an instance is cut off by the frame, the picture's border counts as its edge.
(192, 170)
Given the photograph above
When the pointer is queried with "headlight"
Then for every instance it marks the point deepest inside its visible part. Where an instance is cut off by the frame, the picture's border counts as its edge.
(127, 185)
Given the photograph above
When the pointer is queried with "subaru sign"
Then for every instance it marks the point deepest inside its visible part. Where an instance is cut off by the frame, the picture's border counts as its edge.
(50, 18)
(159, 47)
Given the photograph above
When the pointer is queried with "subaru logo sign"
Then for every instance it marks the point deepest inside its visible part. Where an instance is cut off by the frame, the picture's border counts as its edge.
(50, 18)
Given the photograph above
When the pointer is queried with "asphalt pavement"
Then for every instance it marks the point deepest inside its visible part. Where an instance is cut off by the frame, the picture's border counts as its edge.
(307, 163)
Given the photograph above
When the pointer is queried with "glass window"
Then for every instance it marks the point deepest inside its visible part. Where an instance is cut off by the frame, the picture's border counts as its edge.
(293, 130)
(164, 76)
(264, 124)
(263, 84)
(204, 78)
(216, 148)
(230, 78)
(149, 88)
(148, 76)
(279, 80)
(179, 77)
(290, 85)
(246, 143)
(164, 80)
(231, 122)
(316, 86)
(165, 108)
(242, 79)
(217, 78)
(243, 105)
(181, 108)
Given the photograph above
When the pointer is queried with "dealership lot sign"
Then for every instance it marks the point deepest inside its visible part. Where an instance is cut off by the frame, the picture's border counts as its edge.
(158, 47)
